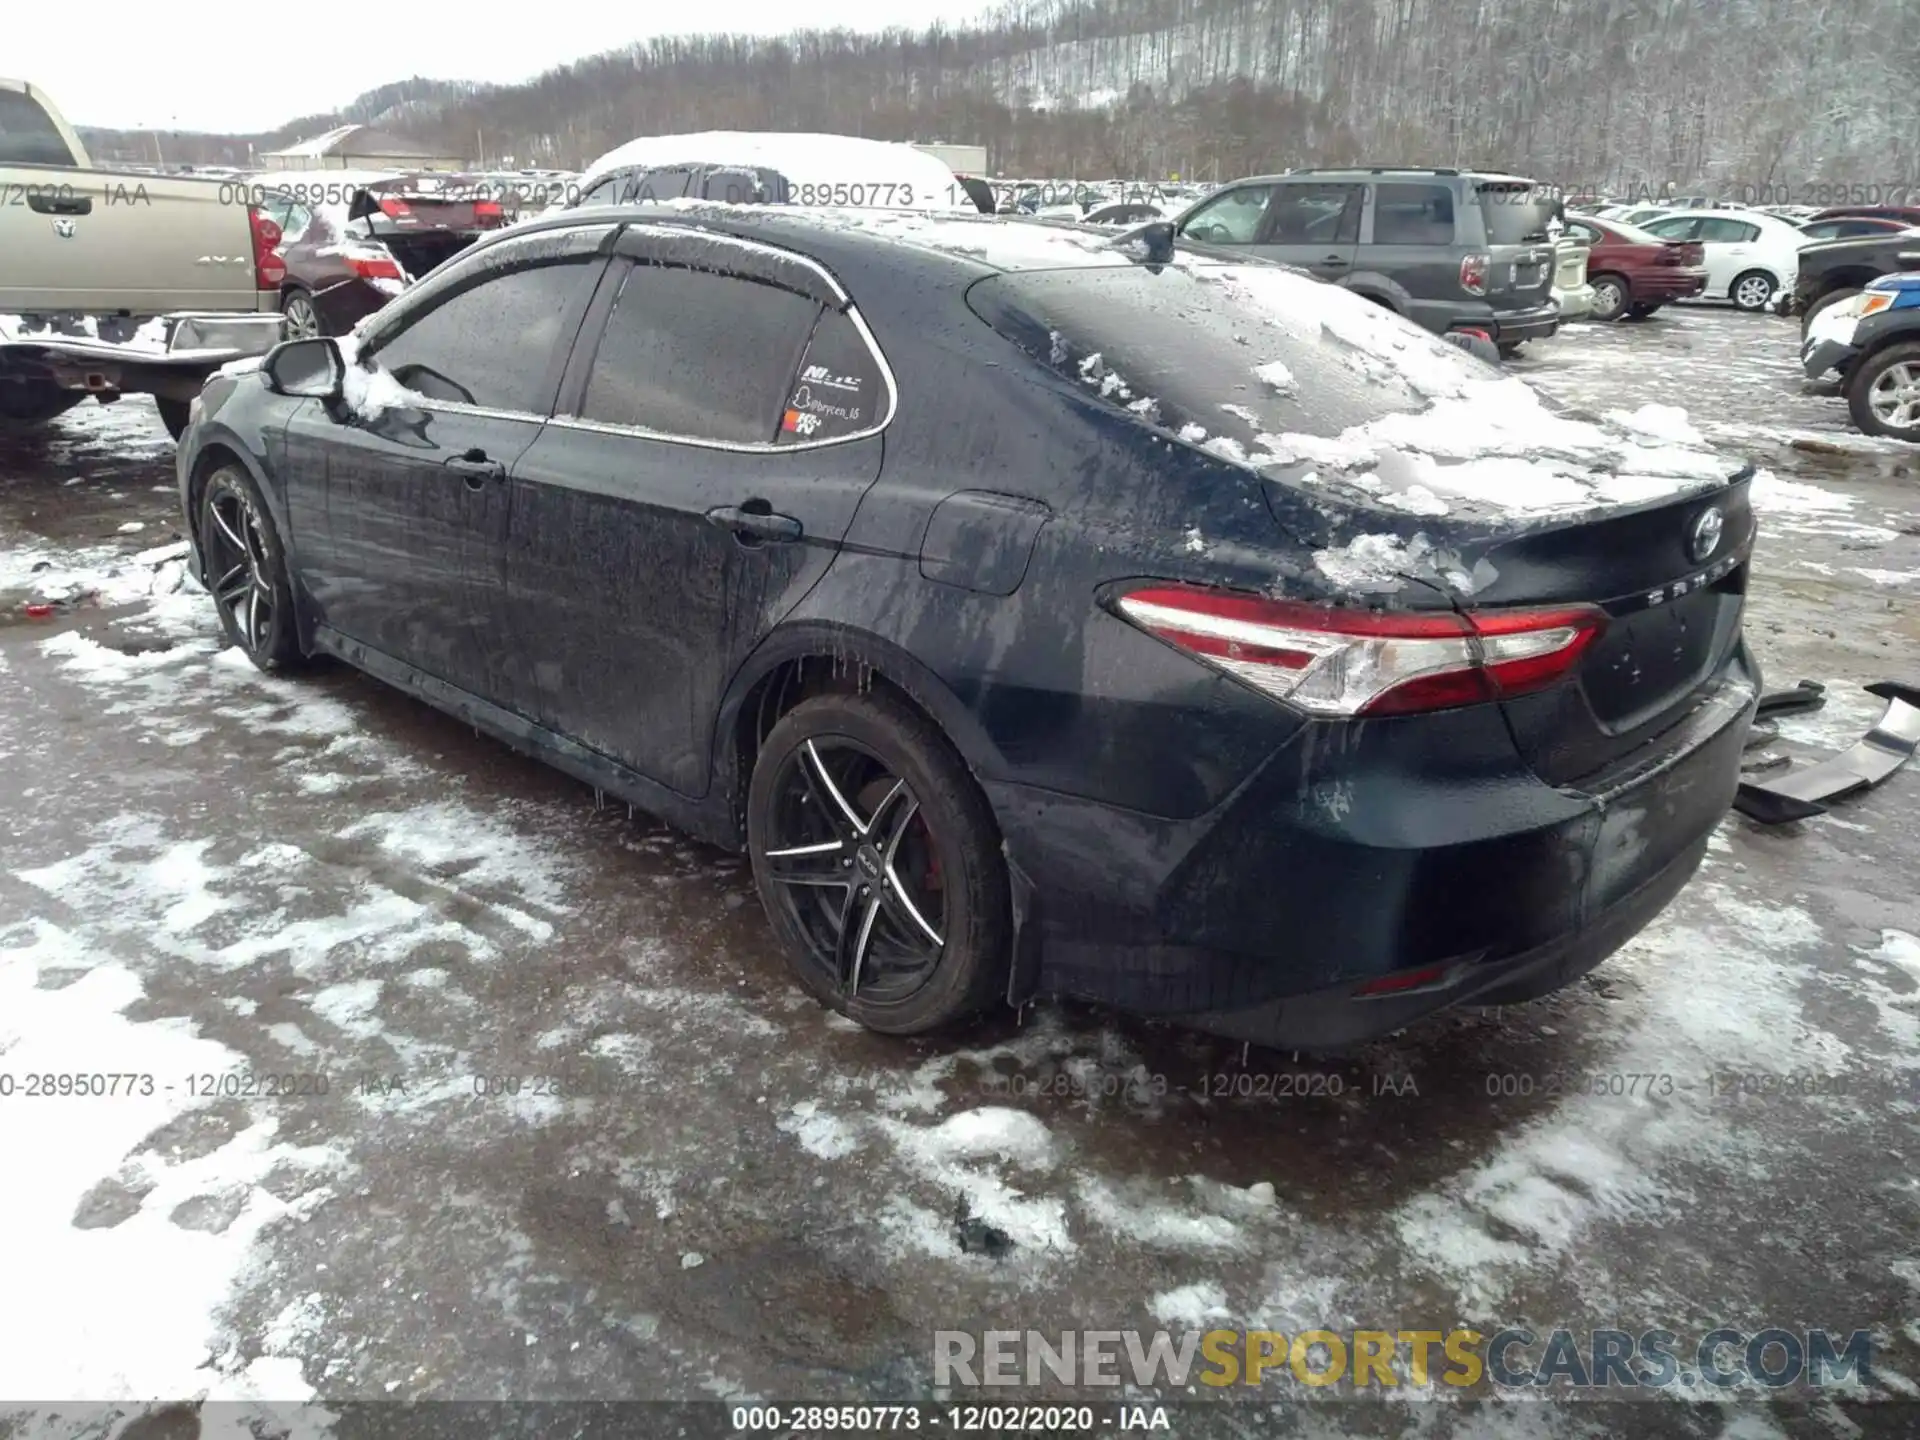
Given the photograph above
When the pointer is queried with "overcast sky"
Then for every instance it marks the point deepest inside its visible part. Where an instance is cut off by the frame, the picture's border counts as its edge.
(166, 64)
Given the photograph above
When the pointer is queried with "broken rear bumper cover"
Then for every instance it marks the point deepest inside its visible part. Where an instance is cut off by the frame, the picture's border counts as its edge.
(1804, 793)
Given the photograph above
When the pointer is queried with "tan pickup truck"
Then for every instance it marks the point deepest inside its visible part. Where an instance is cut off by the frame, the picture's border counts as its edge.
(89, 255)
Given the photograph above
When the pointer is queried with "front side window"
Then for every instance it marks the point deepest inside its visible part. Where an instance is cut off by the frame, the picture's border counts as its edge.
(489, 344)
(1412, 215)
(1230, 219)
(698, 354)
(1314, 215)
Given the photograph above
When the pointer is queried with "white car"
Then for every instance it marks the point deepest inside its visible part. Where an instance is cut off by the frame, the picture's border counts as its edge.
(829, 171)
(1570, 287)
(1751, 256)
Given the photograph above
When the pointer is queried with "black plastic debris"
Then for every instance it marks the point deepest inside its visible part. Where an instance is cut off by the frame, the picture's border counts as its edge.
(1807, 696)
(976, 1237)
(1802, 794)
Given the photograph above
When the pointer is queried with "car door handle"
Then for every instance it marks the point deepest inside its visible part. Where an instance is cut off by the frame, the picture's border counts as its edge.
(1335, 260)
(476, 468)
(753, 522)
(61, 204)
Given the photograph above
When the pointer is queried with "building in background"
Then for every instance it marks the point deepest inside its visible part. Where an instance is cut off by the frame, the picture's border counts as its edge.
(360, 147)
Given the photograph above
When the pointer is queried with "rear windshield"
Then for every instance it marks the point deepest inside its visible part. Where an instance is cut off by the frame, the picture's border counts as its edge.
(1517, 214)
(1222, 355)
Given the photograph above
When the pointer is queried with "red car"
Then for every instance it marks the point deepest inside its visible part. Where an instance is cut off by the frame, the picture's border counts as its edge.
(1908, 214)
(1634, 273)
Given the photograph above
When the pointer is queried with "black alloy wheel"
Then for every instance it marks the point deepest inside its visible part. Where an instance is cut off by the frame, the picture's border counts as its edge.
(878, 863)
(246, 574)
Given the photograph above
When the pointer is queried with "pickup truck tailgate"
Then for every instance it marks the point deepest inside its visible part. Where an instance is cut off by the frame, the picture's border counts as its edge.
(91, 241)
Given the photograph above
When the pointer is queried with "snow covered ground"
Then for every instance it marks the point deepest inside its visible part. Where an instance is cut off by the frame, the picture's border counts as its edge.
(580, 1137)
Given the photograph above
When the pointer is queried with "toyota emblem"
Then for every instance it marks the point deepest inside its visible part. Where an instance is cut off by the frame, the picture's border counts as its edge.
(64, 229)
(1704, 538)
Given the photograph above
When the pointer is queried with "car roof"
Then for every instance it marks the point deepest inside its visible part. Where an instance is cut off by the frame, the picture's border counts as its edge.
(960, 239)
(1478, 177)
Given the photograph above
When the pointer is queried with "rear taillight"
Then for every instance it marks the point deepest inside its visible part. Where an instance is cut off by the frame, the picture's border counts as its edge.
(268, 268)
(1473, 274)
(1337, 662)
(394, 208)
(487, 214)
(372, 264)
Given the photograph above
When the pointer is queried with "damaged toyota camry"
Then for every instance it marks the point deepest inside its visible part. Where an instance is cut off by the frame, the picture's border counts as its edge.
(1043, 612)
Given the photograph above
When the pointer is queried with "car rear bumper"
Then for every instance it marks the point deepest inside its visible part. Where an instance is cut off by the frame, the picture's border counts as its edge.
(1575, 304)
(1426, 862)
(1536, 322)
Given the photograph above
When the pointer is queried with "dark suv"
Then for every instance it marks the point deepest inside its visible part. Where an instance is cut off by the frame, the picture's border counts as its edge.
(1448, 249)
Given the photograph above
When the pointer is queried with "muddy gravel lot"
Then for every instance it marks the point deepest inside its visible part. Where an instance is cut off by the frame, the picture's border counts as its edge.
(581, 1137)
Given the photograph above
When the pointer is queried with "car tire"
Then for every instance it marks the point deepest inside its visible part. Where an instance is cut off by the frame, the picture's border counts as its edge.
(295, 301)
(174, 414)
(1642, 312)
(839, 762)
(1826, 301)
(26, 405)
(246, 570)
(1874, 382)
(1752, 291)
(1612, 296)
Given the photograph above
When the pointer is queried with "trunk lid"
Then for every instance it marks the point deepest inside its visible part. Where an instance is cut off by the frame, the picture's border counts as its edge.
(1518, 218)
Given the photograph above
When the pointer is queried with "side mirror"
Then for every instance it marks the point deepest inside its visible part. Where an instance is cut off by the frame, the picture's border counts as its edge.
(1909, 258)
(310, 368)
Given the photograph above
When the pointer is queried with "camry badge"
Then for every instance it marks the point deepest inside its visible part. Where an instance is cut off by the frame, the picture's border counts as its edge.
(1704, 538)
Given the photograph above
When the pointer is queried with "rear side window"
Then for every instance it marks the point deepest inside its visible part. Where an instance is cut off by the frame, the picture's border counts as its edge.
(1728, 232)
(840, 389)
(1674, 227)
(1412, 215)
(1517, 214)
(27, 135)
(490, 344)
(698, 354)
(1314, 215)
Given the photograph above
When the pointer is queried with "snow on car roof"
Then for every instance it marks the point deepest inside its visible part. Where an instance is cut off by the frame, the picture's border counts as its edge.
(1004, 242)
(892, 176)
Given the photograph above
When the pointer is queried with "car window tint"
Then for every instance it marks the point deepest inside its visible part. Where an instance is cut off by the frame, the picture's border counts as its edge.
(1412, 215)
(489, 344)
(293, 222)
(1592, 234)
(1728, 232)
(27, 136)
(699, 354)
(605, 192)
(1230, 219)
(840, 389)
(1313, 215)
